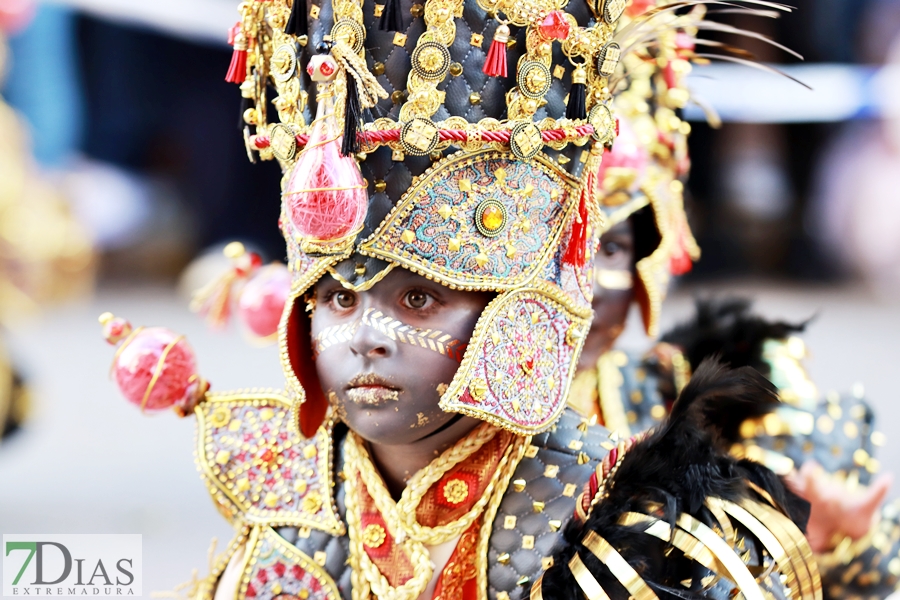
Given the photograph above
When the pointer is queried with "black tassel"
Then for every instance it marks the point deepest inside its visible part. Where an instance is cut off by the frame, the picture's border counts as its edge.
(297, 24)
(246, 104)
(352, 119)
(576, 108)
(391, 16)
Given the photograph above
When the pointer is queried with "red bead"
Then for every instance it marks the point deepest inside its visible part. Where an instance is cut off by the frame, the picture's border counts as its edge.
(555, 26)
(114, 328)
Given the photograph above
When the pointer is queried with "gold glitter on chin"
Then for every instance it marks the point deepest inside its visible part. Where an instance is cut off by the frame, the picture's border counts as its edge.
(337, 407)
(422, 420)
(442, 388)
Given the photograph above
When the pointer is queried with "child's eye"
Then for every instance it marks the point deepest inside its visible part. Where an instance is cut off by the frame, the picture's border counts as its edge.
(417, 299)
(610, 248)
(344, 299)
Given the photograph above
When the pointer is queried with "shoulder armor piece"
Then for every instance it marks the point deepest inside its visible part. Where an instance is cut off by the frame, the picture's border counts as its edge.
(540, 502)
(259, 468)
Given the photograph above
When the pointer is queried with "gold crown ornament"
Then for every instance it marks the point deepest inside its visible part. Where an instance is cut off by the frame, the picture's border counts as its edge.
(459, 139)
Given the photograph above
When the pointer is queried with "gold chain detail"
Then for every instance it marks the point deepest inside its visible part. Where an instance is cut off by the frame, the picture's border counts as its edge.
(371, 578)
(403, 512)
(424, 97)
(400, 517)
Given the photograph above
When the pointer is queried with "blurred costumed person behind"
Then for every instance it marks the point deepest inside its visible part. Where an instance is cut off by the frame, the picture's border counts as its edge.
(45, 256)
(825, 444)
(441, 211)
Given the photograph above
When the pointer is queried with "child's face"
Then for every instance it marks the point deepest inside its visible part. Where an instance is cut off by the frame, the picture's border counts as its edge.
(613, 289)
(384, 356)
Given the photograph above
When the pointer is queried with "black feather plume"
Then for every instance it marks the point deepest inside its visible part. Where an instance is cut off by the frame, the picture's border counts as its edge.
(728, 329)
(678, 466)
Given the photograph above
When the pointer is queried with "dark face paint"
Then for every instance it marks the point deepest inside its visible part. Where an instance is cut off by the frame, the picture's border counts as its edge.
(615, 259)
(387, 389)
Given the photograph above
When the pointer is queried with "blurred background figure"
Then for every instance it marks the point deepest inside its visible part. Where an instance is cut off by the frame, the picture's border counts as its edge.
(45, 255)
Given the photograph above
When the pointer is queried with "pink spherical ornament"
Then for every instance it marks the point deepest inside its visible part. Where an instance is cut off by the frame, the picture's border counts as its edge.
(154, 367)
(625, 162)
(326, 196)
(262, 300)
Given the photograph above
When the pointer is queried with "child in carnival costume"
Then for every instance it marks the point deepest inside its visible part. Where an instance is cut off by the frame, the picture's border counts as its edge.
(645, 241)
(441, 258)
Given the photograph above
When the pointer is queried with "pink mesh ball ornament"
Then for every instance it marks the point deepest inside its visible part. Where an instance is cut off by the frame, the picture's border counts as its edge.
(325, 196)
(625, 161)
(262, 300)
(154, 367)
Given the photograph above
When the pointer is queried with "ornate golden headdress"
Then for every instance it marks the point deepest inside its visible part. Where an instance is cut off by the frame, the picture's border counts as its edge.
(428, 152)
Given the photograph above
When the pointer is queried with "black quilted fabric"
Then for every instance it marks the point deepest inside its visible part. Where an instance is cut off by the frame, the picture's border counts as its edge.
(554, 448)
(391, 64)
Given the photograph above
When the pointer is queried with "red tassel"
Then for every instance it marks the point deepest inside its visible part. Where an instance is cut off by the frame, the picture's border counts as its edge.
(576, 251)
(237, 70)
(495, 65)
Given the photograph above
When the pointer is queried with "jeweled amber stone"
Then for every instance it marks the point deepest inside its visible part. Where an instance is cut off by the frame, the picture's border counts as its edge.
(492, 218)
